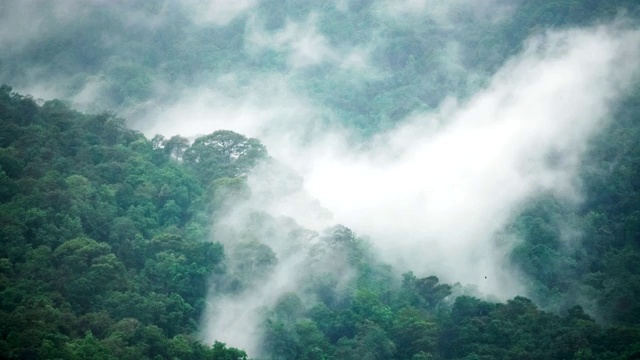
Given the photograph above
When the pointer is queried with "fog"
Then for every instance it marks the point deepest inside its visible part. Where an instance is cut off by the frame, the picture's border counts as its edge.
(433, 193)
(218, 12)
(445, 12)
(41, 19)
(305, 45)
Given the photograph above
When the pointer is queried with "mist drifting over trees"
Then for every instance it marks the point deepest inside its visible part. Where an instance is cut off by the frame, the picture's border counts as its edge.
(347, 179)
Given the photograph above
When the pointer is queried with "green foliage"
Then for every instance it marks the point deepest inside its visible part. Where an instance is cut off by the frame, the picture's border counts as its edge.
(589, 250)
(104, 234)
(97, 260)
(414, 62)
(417, 318)
(105, 256)
(223, 154)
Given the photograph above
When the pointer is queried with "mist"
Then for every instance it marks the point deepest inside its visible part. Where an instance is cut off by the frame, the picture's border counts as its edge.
(443, 183)
(435, 194)
(445, 13)
(450, 155)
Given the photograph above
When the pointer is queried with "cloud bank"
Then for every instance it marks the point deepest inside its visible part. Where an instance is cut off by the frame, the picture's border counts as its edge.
(435, 194)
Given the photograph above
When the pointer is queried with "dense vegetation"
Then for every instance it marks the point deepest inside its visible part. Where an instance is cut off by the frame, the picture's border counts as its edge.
(597, 265)
(119, 57)
(104, 240)
(106, 255)
(107, 246)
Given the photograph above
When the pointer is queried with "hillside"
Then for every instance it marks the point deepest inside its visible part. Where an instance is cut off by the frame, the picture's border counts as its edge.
(350, 179)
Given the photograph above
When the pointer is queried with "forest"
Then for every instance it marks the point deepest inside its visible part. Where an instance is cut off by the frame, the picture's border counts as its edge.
(284, 179)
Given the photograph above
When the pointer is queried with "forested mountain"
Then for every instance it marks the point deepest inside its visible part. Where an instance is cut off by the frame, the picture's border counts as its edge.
(486, 153)
(104, 251)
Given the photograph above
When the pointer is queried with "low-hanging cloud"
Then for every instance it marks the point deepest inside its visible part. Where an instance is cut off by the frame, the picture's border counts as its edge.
(270, 255)
(263, 106)
(444, 12)
(435, 194)
(24, 21)
(305, 45)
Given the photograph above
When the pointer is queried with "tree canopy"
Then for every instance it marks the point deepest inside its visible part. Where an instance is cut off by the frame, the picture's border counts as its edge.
(108, 244)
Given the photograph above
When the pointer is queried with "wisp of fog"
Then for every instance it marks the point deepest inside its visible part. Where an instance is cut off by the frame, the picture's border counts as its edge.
(433, 193)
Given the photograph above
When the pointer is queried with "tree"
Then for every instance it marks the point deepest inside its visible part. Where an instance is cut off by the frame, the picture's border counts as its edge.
(223, 153)
(414, 333)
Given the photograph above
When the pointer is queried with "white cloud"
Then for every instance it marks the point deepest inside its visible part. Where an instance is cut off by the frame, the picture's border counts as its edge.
(434, 193)
(264, 107)
(235, 319)
(305, 45)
